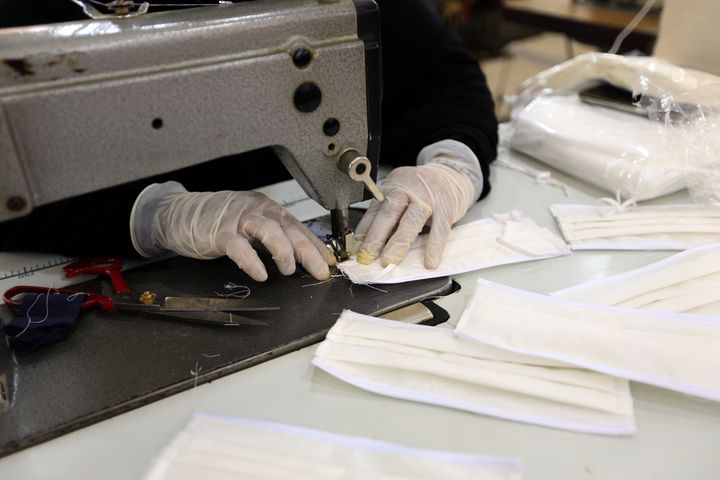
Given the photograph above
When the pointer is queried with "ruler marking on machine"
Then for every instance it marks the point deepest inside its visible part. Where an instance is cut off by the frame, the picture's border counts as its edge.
(23, 271)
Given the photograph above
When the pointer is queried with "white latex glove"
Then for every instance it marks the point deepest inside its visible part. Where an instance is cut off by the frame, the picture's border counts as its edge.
(438, 192)
(212, 224)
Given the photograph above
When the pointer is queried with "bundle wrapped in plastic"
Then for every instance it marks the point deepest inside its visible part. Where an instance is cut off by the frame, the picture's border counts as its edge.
(632, 156)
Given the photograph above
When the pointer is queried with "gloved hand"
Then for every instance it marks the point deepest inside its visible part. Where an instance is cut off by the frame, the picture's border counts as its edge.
(438, 192)
(212, 224)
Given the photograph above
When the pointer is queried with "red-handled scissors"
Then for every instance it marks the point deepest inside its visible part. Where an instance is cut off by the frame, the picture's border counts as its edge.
(215, 311)
(108, 266)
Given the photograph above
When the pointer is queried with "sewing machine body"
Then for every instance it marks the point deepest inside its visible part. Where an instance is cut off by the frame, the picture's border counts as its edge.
(92, 104)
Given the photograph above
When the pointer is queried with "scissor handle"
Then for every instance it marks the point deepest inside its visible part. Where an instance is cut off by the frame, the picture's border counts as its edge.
(91, 299)
(109, 266)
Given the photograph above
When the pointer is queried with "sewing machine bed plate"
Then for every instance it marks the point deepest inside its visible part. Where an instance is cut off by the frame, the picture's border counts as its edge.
(113, 362)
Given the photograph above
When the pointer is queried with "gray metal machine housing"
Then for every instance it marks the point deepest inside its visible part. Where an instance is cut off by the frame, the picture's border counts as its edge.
(91, 104)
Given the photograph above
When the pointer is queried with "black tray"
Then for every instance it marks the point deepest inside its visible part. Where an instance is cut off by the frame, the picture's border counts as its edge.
(113, 362)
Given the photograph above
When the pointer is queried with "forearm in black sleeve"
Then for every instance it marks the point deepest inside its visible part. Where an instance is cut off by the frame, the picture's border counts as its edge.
(433, 89)
(95, 224)
(98, 223)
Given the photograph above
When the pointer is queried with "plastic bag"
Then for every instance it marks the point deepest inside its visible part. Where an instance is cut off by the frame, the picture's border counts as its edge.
(626, 155)
(648, 76)
(692, 133)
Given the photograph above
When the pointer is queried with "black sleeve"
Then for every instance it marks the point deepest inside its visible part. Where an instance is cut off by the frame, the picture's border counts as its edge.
(98, 223)
(95, 224)
(432, 88)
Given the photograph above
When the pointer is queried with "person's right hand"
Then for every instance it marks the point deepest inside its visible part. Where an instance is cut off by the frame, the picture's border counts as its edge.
(434, 194)
(212, 224)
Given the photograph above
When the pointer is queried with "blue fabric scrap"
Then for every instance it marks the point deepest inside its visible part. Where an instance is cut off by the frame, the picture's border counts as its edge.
(43, 319)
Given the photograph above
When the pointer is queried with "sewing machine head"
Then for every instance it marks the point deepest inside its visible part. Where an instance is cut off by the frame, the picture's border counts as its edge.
(92, 104)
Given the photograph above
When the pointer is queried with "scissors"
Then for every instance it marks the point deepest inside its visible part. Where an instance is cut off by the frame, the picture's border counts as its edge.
(108, 266)
(215, 311)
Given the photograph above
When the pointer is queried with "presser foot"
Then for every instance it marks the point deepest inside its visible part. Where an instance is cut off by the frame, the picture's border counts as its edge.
(344, 248)
(342, 241)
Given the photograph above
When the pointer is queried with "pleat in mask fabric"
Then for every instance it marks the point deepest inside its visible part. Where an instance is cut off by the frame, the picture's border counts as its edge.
(687, 282)
(435, 366)
(564, 133)
(504, 238)
(223, 448)
(674, 351)
(655, 227)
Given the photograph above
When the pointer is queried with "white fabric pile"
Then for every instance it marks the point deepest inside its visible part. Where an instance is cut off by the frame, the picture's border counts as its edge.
(502, 239)
(614, 151)
(435, 366)
(673, 351)
(661, 227)
(687, 282)
(560, 361)
(223, 448)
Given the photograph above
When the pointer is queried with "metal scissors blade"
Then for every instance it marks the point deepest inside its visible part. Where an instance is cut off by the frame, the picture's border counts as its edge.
(193, 304)
(224, 319)
(217, 318)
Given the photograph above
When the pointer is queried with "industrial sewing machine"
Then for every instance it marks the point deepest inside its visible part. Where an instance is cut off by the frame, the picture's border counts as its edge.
(91, 104)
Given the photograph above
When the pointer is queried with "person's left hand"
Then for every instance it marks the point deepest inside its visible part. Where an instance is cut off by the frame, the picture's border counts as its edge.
(435, 193)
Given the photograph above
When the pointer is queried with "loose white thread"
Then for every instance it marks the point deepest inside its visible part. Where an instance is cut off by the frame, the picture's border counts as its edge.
(27, 313)
(239, 291)
(195, 372)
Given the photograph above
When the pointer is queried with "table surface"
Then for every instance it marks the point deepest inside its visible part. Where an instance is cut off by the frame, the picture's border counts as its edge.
(678, 436)
(580, 12)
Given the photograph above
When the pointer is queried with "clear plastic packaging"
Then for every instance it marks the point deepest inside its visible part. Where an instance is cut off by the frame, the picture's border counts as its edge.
(692, 132)
(643, 75)
(626, 155)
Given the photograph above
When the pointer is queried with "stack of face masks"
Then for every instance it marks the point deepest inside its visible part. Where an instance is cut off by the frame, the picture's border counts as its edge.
(688, 282)
(563, 132)
(503, 239)
(433, 365)
(663, 227)
(674, 351)
(213, 447)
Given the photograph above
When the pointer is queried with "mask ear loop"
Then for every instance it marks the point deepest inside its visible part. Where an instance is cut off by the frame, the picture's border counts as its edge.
(505, 221)
(542, 177)
(617, 204)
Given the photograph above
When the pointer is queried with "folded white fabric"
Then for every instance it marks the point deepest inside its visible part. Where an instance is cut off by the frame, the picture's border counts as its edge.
(214, 447)
(433, 365)
(688, 282)
(674, 351)
(504, 238)
(654, 227)
(611, 150)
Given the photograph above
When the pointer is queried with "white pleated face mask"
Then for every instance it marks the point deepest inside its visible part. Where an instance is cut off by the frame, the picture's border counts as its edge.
(662, 227)
(433, 365)
(674, 351)
(503, 239)
(213, 447)
(688, 282)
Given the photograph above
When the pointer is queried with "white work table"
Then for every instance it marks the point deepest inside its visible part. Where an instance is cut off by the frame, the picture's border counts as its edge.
(678, 436)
